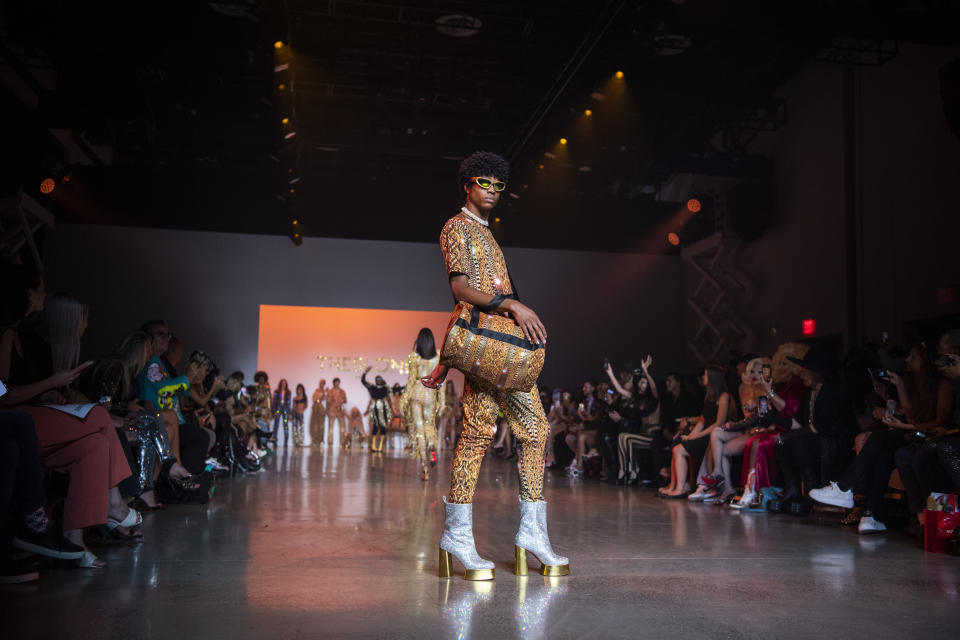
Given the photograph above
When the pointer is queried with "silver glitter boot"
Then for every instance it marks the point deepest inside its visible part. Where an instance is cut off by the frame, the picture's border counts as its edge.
(532, 536)
(457, 539)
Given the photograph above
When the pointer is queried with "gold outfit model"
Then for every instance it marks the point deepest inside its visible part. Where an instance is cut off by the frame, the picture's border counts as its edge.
(318, 416)
(420, 405)
(336, 399)
(470, 249)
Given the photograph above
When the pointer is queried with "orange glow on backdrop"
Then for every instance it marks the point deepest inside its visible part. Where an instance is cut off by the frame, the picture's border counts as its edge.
(305, 344)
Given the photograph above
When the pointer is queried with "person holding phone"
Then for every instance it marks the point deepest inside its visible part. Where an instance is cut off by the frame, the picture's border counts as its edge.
(87, 449)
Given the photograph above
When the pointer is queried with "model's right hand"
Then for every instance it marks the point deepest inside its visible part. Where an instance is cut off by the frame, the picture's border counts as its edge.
(436, 377)
(524, 316)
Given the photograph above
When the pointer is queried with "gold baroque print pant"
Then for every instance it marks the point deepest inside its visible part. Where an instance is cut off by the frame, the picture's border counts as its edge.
(524, 414)
(423, 430)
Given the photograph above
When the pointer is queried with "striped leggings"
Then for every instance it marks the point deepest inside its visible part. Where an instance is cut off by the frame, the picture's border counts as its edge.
(628, 443)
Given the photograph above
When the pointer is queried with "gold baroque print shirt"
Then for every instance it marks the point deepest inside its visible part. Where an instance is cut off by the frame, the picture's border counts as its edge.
(470, 249)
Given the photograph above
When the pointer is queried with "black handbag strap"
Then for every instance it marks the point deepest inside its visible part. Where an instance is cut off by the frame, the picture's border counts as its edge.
(474, 327)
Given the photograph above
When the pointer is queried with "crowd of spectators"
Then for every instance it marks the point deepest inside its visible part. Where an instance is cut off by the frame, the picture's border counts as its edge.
(87, 447)
(872, 433)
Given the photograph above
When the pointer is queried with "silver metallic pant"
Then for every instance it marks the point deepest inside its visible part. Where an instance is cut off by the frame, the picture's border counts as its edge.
(154, 446)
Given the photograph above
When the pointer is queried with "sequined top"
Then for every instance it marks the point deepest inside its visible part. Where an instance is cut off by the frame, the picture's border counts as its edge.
(470, 249)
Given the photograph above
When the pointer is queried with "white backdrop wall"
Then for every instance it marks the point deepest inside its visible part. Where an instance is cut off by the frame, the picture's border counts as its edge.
(209, 286)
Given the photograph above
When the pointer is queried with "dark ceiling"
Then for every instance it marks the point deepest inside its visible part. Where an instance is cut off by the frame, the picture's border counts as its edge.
(175, 108)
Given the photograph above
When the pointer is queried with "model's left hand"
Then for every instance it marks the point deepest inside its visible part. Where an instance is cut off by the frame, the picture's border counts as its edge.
(436, 377)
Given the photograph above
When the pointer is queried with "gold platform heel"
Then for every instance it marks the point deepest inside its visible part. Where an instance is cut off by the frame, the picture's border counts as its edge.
(520, 561)
(457, 540)
(533, 537)
(446, 570)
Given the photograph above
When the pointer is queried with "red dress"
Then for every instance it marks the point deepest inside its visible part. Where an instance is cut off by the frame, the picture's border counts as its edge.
(766, 470)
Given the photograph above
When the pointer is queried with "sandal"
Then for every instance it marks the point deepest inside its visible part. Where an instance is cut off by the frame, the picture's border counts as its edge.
(90, 561)
(132, 519)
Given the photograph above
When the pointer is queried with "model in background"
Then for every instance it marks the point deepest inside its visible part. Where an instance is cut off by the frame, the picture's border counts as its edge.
(378, 410)
(281, 412)
(336, 399)
(318, 413)
(478, 276)
(448, 416)
(355, 435)
(398, 423)
(262, 402)
(297, 408)
(421, 404)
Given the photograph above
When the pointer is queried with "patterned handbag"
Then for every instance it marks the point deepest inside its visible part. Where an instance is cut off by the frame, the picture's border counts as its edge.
(491, 348)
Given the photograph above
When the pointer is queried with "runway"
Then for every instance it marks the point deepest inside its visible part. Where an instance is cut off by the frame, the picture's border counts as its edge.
(330, 544)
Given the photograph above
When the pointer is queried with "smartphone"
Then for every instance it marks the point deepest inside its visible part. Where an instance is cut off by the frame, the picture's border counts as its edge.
(945, 360)
(920, 435)
(767, 372)
(881, 374)
(3, 389)
(763, 406)
(891, 407)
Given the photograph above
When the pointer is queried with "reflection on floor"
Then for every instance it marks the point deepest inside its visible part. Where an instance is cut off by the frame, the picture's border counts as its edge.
(331, 544)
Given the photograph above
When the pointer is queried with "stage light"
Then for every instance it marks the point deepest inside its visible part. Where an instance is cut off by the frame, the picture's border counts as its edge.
(293, 190)
(296, 238)
(694, 205)
(809, 327)
(540, 166)
(295, 180)
(281, 86)
(588, 113)
(278, 44)
(619, 75)
(673, 239)
(496, 219)
(47, 186)
(563, 141)
(285, 121)
(289, 135)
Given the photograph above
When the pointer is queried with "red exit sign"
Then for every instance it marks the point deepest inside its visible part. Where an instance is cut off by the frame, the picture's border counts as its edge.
(809, 327)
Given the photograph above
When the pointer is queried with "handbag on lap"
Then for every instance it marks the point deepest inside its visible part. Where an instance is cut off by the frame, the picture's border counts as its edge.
(492, 348)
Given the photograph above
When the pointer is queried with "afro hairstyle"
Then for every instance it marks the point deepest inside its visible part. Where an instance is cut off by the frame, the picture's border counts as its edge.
(483, 163)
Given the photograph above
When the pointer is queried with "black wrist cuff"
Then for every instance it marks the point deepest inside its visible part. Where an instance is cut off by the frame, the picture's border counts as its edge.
(494, 303)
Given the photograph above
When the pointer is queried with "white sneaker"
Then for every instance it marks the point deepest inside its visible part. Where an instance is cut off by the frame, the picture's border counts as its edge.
(832, 495)
(869, 525)
(698, 495)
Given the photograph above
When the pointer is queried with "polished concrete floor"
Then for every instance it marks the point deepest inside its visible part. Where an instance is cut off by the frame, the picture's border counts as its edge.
(340, 545)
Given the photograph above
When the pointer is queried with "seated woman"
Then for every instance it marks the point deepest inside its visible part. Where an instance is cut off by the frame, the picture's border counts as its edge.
(921, 410)
(587, 414)
(638, 418)
(87, 448)
(111, 380)
(919, 467)
(729, 439)
(717, 405)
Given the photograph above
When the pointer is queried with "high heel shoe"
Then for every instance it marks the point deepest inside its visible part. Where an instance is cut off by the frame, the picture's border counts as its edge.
(532, 536)
(457, 540)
